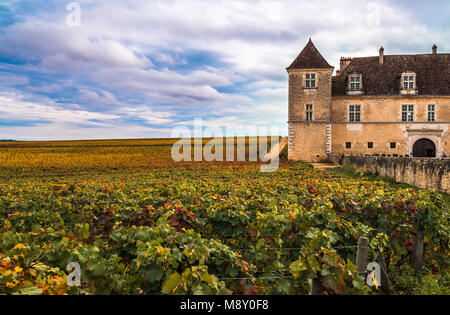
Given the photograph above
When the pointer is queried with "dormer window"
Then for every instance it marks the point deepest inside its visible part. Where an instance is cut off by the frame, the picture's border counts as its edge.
(408, 83)
(310, 80)
(355, 86)
(355, 82)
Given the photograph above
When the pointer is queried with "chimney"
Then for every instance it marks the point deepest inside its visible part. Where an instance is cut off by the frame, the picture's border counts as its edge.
(381, 55)
(345, 61)
(434, 49)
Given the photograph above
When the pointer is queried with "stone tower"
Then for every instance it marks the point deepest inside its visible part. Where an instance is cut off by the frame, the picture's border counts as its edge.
(310, 82)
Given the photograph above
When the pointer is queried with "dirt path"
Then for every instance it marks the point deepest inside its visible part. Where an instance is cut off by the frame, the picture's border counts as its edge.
(324, 165)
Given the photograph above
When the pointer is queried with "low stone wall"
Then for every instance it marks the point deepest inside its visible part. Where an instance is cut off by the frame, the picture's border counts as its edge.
(428, 173)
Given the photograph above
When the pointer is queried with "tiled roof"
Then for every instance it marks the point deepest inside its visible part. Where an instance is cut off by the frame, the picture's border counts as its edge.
(432, 74)
(309, 58)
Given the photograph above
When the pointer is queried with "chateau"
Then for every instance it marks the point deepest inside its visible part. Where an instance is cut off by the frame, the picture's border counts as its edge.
(388, 105)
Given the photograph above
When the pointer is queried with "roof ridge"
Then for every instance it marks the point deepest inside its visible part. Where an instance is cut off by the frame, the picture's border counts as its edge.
(431, 54)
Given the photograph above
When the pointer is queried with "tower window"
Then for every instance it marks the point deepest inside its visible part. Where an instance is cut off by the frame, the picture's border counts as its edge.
(310, 80)
(431, 112)
(393, 145)
(348, 145)
(309, 112)
(407, 112)
(354, 113)
(370, 145)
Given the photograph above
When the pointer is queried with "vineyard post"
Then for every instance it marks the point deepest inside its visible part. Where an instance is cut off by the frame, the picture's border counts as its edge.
(384, 277)
(417, 256)
(316, 286)
(361, 255)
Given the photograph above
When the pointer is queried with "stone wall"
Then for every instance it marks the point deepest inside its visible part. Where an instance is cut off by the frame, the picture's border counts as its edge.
(428, 173)
(308, 140)
(381, 123)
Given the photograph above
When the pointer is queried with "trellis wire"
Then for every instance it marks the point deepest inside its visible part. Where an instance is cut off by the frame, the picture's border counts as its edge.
(255, 278)
(243, 250)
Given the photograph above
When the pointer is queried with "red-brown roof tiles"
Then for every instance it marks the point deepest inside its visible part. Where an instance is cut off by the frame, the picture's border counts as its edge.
(309, 58)
(432, 74)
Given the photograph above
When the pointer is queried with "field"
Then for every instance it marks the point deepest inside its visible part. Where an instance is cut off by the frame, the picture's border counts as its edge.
(139, 223)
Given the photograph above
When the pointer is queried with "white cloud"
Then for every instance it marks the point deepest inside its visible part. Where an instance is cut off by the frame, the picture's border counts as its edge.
(169, 86)
(15, 108)
(272, 93)
(147, 114)
(256, 36)
(59, 131)
(50, 122)
(61, 48)
(11, 79)
(49, 88)
(98, 98)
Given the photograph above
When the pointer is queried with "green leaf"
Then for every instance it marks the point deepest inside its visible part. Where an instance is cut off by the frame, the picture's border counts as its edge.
(85, 231)
(97, 269)
(224, 291)
(154, 274)
(140, 259)
(297, 268)
(358, 283)
(313, 263)
(142, 235)
(31, 291)
(210, 279)
(171, 283)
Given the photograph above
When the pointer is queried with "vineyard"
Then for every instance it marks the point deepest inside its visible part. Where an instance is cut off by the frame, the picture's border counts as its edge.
(139, 223)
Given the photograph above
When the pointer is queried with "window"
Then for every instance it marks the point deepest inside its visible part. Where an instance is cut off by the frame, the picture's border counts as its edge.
(393, 145)
(310, 80)
(354, 113)
(355, 81)
(309, 112)
(355, 84)
(348, 145)
(407, 112)
(431, 112)
(370, 145)
(409, 81)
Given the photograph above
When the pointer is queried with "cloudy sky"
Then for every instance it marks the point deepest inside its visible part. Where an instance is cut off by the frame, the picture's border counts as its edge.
(137, 69)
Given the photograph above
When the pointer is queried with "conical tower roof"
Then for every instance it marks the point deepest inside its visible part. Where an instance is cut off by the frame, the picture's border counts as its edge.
(310, 58)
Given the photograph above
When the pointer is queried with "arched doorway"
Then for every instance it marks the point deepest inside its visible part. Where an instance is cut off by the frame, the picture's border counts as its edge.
(424, 148)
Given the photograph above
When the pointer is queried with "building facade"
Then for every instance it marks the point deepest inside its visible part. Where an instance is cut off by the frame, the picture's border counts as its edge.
(388, 105)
